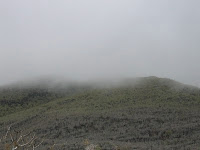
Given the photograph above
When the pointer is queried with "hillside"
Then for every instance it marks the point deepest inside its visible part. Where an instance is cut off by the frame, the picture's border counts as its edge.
(25, 95)
(141, 113)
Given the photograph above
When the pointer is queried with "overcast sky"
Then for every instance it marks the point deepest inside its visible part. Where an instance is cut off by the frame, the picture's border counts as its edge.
(95, 39)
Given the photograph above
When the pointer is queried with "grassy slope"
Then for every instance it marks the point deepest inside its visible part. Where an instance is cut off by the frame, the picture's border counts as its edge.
(153, 113)
(19, 98)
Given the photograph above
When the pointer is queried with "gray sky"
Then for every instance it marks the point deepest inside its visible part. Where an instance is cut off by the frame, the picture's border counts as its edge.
(92, 39)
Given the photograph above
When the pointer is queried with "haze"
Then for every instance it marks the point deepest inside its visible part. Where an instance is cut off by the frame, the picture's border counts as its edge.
(98, 39)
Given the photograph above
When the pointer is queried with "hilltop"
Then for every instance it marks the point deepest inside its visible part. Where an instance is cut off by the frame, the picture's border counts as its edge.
(135, 113)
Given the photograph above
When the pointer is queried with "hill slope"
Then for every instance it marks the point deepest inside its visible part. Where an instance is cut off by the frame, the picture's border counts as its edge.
(142, 113)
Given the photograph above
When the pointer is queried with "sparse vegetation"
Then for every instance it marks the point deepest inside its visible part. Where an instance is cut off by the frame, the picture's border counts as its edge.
(16, 140)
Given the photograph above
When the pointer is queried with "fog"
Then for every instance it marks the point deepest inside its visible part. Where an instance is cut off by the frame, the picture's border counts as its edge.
(99, 39)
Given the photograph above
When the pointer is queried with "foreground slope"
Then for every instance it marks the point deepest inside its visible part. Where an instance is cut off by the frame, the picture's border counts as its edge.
(142, 113)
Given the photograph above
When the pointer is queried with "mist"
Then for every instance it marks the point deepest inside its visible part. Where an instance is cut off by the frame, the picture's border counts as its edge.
(95, 40)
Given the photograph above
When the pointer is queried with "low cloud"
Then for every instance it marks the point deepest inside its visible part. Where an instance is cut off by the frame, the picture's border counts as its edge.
(86, 40)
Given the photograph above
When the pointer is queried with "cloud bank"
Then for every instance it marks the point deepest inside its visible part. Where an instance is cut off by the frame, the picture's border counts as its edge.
(83, 40)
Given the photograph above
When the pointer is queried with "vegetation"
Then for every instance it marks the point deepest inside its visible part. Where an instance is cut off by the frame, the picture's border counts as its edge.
(145, 113)
(15, 139)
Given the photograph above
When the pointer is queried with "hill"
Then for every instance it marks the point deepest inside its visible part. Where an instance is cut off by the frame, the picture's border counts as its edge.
(141, 113)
